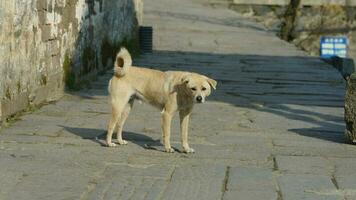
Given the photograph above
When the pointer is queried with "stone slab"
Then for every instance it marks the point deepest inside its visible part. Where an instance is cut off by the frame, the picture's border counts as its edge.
(248, 194)
(300, 186)
(347, 183)
(304, 165)
(344, 167)
(251, 179)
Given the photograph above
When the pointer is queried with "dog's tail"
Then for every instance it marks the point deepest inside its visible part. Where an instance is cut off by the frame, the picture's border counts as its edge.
(122, 62)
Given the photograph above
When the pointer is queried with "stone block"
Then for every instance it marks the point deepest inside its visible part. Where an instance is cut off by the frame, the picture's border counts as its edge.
(53, 89)
(9, 107)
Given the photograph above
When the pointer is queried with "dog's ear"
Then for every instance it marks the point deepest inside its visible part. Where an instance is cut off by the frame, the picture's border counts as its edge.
(212, 82)
(186, 79)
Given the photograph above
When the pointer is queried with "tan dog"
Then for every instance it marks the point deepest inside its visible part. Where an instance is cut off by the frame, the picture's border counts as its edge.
(169, 91)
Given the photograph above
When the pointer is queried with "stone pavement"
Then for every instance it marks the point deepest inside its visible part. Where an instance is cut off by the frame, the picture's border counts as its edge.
(273, 129)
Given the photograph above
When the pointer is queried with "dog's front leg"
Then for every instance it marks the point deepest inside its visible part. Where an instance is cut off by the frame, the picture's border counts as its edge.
(166, 130)
(184, 116)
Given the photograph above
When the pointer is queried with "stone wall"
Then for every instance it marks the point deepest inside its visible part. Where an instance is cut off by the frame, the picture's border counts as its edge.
(350, 108)
(49, 45)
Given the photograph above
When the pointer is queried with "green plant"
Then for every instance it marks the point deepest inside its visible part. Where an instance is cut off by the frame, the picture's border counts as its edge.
(69, 77)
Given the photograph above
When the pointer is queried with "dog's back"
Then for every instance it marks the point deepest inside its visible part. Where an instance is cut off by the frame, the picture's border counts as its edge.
(145, 84)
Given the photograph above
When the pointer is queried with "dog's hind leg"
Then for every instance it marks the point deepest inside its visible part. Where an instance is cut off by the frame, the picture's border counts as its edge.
(120, 124)
(118, 106)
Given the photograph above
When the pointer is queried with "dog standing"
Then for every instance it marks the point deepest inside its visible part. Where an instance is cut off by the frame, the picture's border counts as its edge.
(169, 91)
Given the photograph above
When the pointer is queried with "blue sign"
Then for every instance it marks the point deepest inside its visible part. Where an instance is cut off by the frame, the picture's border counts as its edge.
(333, 46)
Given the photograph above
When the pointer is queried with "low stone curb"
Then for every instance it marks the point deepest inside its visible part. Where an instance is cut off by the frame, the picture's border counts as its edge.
(346, 67)
(350, 108)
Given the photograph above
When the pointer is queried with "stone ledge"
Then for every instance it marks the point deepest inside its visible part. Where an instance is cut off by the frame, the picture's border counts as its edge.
(346, 67)
(350, 108)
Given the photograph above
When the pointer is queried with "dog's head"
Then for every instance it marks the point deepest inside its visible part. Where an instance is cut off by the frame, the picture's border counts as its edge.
(198, 86)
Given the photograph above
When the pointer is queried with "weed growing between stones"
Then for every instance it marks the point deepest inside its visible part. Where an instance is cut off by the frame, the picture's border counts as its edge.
(69, 77)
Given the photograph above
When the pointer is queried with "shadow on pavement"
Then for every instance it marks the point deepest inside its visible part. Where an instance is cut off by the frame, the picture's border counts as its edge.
(98, 136)
(332, 136)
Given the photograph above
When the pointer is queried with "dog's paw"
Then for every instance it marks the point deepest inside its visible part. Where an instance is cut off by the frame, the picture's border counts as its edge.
(122, 142)
(169, 150)
(189, 150)
(111, 144)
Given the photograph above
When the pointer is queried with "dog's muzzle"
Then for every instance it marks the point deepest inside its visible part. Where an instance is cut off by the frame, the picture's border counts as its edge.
(199, 99)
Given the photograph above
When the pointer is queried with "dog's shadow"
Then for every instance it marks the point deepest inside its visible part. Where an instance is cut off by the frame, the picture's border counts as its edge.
(98, 136)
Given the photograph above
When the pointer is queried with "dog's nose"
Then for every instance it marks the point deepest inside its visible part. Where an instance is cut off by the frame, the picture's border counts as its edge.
(199, 98)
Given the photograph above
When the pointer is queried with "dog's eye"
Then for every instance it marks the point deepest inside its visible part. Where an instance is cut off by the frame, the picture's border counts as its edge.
(193, 88)
(203, 89)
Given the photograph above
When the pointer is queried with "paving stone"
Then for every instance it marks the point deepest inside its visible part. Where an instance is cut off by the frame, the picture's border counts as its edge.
(307, 186)
(347, 182)
(245, 142)
(320, 148)
(131, 182)
(62, 185)
(247, 156)
(254, 179)
(251, 183)
(9, 180)
(344, 166)
(194, 189)
(196, 182)
(197, 172)
(350, 197)
(34, 181)
(250, 194)
(304, 165)
(127, 188)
